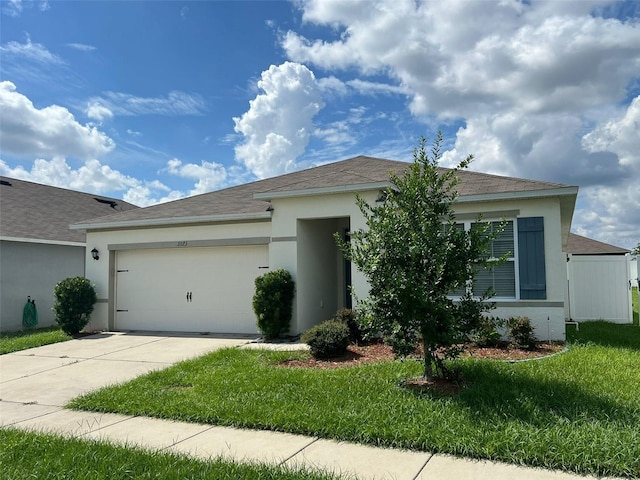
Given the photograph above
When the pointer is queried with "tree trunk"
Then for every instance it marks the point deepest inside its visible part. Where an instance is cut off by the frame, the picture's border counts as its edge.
(428, 364)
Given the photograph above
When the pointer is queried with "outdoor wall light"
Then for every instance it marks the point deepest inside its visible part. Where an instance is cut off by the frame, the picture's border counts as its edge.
(94, 254)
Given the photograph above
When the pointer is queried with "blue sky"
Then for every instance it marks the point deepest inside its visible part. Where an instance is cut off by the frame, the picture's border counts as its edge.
(152, 101)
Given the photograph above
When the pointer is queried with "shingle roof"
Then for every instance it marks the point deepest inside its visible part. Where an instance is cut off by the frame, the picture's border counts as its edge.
(40, 212)
(579, 245)
(354, 171)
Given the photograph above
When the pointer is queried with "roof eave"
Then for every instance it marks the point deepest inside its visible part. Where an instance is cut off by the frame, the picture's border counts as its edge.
(159, 222)
(547, 192)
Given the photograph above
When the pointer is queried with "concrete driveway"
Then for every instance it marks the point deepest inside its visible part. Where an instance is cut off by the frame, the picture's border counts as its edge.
(54, 374)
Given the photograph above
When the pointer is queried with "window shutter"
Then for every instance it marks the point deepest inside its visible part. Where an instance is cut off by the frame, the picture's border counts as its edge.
(533, 283)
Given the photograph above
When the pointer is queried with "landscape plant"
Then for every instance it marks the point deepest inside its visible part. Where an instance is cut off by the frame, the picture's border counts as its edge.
(521, 332)
(327, 339)
(273, 302)
(73, 304)
(414, 256)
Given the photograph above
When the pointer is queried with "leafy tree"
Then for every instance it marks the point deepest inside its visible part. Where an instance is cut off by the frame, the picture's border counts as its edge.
(414, 256)
(74, 301)
(636, 251)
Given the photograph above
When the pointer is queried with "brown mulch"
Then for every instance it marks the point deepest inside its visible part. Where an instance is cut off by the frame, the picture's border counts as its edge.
(377, 351)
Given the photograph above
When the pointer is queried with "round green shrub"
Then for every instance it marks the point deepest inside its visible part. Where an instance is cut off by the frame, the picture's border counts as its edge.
(350, 318)
(273, 302)
(73, 304)
(328, 339)
(520, 332)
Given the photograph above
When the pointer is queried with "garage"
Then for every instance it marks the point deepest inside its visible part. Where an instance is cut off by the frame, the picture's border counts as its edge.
(195, 289)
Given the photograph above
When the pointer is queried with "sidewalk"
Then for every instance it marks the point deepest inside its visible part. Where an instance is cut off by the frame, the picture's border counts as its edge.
(36, 383)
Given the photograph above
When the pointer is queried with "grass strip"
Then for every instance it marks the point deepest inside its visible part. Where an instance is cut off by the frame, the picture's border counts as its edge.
(579, 411)
(28, 455)
(16, 341)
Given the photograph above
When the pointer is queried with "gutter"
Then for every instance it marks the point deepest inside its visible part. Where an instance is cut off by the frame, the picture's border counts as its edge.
(157, 222)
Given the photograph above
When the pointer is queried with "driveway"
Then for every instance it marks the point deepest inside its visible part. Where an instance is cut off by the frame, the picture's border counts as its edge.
(54, 374)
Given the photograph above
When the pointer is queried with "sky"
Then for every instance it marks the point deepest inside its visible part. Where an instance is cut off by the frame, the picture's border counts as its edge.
(151, 101)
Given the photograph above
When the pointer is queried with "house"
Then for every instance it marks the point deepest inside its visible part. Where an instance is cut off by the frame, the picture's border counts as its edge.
(190, 265)
(37, 248)
(599, 281)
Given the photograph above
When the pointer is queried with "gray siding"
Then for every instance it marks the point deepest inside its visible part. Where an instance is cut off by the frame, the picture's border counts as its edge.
(33, 269)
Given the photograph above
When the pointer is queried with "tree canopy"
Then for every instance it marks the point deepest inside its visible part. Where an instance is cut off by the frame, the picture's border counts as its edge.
(415, 256)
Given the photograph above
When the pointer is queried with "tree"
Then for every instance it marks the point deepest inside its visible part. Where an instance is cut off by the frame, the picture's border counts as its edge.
(414, 256)
(74, 301)
(636, 251)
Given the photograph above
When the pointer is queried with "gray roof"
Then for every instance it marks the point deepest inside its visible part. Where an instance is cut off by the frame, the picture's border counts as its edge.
(41, 212)
(579, 245)
(355, 171)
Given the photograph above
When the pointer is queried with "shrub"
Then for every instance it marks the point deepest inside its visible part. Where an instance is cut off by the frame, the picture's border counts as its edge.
(350, 319)
(486, 333)
(328, 339)
(74, 301)
(272, 302)
(520, 332)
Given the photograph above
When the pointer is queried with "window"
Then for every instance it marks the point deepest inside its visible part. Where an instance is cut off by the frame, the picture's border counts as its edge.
(501, 278)
(522, 276)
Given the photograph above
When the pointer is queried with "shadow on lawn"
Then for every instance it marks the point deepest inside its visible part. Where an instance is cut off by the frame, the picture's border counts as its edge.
(606, 334)
(496, 392)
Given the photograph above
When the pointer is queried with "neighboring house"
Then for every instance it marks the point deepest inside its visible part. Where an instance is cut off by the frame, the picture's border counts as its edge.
(37, 248)
(599, 285)
(190, 265)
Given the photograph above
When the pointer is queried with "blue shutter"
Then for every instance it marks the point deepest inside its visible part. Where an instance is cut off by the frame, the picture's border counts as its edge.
(533, 283)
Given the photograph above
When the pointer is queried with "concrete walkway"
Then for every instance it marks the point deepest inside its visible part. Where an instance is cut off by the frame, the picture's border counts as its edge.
(36, 383)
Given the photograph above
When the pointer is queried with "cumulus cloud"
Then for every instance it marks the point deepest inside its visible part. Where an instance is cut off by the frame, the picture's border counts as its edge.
(93, 177)
(279, 121)
(620, 136)
(97, 111)
(209, 175)
(26, 130)
(531, 83)
(175, 103)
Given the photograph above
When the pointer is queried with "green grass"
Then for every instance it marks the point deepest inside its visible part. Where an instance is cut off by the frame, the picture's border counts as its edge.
(32, 456)
(578, 411)
(16, 341)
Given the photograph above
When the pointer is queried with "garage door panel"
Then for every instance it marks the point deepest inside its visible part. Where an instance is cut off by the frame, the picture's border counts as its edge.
(152, 287)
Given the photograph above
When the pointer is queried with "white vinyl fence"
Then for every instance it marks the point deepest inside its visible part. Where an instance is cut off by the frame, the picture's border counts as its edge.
(599, 288)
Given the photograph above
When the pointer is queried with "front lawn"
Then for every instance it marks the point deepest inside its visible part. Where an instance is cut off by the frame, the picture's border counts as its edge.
(16, 341)
(30, 456)
(577, 411)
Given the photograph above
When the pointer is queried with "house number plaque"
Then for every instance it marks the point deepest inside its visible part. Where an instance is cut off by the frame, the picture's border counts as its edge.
(183, 243)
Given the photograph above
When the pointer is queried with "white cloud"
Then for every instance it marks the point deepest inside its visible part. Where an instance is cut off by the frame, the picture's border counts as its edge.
(210, 176)
(175, 103)
(532, 83)
(13, 8)
(134, 133)
(620, 136)
(82, 47)
(51, 131)
(93, 177)
(279, 121)
(98, 112)
(28, 50)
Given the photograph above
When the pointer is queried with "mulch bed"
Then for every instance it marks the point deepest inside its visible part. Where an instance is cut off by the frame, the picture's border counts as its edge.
(378, 351)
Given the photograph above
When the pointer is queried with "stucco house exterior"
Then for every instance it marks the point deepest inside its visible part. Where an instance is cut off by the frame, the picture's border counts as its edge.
(190, 265)
(37, 248)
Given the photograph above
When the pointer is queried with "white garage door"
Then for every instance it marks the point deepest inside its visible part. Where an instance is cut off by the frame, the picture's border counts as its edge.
(204, 289)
